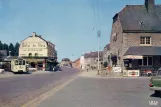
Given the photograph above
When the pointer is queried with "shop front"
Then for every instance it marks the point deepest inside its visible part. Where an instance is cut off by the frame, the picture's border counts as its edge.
(139, 61)
(41, 63)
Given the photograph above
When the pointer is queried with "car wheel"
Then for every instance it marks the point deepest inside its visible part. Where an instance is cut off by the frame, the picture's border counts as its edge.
(149, 74)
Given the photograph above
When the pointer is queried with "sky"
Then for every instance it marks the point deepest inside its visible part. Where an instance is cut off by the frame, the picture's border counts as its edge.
(70, 24)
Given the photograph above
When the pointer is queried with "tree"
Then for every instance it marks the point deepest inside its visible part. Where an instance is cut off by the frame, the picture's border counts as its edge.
(11, 48)
(0, 45)
(105, 64)
(16, 49)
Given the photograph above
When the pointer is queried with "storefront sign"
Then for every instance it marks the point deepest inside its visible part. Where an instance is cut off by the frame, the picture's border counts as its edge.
(133, 73)
(116, 69)
(133, 57)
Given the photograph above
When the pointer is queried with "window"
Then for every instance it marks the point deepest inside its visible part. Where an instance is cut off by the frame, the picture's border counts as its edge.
(146, 61)
(140, 61)
(16, 62)
(36, 54)
(145, 40)
(20, 62)
(30, 54)
(23, 62)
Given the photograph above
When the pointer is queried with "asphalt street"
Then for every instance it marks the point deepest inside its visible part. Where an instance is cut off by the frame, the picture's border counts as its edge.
(103, 92)
(17, 90)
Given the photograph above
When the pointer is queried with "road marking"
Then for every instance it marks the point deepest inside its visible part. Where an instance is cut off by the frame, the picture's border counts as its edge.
(42, 97)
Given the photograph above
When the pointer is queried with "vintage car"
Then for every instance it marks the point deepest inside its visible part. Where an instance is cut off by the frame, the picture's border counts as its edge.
(155, 83)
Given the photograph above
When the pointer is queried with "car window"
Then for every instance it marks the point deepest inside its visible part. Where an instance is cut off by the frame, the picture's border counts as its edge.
(159, 72)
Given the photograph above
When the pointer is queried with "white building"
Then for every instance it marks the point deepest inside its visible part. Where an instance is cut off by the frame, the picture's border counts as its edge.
(37, 51)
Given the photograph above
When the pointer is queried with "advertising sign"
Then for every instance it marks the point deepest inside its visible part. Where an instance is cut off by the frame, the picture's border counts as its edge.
(133, 57)
(117, 69)
(133, 73)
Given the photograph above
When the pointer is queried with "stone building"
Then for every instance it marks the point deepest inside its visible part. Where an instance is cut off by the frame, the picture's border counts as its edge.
(37, 51)
(106, 54)
(135, 39)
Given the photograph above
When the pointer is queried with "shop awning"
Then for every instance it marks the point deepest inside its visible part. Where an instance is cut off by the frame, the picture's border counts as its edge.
(137, 52)
(132, 57)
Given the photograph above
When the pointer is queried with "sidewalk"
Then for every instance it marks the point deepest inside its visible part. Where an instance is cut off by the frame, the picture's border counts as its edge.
(94, 73)
(90, 73)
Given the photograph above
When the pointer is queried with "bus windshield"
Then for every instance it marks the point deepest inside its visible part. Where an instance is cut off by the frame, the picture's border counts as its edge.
(20, 62)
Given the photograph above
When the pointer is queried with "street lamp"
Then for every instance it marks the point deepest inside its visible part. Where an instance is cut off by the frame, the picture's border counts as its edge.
(98, 35)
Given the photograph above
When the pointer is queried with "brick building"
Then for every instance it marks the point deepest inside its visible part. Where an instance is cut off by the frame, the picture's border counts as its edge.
(135, 40)
(76, 63)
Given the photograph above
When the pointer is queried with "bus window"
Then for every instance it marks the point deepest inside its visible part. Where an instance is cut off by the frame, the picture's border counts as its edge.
(16, 62)
(20, 62)
(23, 62)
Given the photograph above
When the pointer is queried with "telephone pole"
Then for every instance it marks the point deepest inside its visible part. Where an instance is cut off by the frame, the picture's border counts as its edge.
(98, 35)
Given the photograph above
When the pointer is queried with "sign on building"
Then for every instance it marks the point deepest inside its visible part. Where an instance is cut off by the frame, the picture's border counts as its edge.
(117, 69)
(134, 73)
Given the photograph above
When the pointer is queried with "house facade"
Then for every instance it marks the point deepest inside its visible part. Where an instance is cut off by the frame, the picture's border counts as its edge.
(90, 60)
(66, 62)
(76, 63)
(37, 51)
(135, 41)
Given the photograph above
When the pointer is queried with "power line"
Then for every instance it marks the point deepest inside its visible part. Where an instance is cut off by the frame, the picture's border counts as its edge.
(95, 21)
(98, 14)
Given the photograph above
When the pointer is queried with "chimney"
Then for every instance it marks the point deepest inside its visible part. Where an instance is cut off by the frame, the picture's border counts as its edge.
(33, 34)
(150, 5)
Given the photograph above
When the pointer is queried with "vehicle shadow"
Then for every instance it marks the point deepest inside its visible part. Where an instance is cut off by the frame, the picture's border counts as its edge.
(22, 73)
(155, 95)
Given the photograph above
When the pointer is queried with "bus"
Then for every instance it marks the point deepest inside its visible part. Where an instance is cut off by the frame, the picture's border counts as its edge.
(18, 65)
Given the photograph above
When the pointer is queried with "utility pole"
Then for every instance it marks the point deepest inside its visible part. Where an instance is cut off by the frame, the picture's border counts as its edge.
(98, 35)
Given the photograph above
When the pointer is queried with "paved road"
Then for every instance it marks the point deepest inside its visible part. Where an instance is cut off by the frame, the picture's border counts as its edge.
(103, 92)
(15, 91)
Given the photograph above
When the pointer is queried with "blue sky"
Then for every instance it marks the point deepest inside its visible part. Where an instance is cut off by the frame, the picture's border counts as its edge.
(67, 23)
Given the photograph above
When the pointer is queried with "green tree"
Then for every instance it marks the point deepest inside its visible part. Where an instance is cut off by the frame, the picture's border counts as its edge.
(105, 64)
(0, 45)
(16, 49)
(11, 48)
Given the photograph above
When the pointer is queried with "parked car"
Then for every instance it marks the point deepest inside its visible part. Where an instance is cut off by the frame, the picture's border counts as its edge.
(155, 83)
(57, 68)
(30, 68)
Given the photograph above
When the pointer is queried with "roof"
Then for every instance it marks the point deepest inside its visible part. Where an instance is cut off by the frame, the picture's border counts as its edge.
(3, 53)
(107, 47)
(137, 18)
(93, 54)
(39, 36)
(76, 60)
(9, 58)
(143, 50)
(65, 59)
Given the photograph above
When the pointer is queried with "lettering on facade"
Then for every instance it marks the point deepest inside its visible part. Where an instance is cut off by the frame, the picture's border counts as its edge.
(34, 49)
(35, 45)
